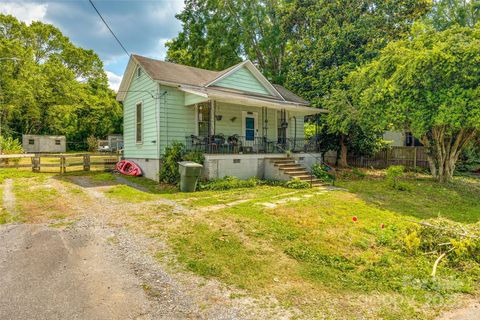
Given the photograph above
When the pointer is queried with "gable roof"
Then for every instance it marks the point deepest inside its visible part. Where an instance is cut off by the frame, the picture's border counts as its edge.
(181, 75)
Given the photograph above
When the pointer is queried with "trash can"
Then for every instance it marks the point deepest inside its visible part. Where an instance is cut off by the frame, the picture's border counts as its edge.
(189, 173)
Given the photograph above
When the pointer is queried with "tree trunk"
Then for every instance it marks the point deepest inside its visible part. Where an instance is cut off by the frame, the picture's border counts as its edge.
(443, 150)
(343, 152)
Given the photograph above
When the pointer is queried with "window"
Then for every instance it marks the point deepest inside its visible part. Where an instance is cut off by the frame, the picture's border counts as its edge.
(203, 119)
(57, 142)
(139, 72)
(31, 141)
(139, 123)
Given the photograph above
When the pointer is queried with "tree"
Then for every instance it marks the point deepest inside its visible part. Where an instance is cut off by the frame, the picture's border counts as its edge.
(330, 39)
(448, 13)
(428, 84)
(53, 87)
(217, 34)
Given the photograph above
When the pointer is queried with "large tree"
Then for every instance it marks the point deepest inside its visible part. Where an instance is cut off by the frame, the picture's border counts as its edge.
(52, 86)
(219, 33)
(428, 84)
(330, 39)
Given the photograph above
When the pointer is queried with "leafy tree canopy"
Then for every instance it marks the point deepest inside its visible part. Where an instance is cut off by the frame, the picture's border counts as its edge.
(428, 84)
(217, 34)
(52, 86)
(449, 13)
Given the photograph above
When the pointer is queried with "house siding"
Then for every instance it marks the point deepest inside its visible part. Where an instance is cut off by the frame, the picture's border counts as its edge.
(176, 120)
(139, 92)
(243, 80)
(300, 125)
(229, 111)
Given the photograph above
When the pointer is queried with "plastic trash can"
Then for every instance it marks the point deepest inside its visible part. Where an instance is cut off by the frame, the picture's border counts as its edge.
(189, 173)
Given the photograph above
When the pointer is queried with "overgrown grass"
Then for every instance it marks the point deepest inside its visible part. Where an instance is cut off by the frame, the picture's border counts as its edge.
(313, 248)
(458, 201)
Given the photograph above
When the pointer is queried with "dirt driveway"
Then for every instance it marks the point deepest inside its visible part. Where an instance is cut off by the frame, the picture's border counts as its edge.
(92, 266)
(56, 274)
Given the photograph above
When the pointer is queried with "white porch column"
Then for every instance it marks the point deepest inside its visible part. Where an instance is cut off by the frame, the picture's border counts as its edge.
(212, 117)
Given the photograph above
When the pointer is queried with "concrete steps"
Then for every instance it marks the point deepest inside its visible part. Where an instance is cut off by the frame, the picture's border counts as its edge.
(288, 167)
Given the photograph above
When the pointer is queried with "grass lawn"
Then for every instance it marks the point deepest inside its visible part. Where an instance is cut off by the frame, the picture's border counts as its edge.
(310, 254)
(300, 247)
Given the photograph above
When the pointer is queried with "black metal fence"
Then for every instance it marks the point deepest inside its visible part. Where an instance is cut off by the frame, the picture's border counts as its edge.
(235, 144)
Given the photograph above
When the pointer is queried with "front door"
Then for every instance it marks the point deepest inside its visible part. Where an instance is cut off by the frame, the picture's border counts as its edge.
(250, 125)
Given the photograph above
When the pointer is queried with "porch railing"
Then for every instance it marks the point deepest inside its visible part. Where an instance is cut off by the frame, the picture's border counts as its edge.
(236, 144)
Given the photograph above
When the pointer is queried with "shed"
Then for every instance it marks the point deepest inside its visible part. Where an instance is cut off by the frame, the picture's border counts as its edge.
(44, 143)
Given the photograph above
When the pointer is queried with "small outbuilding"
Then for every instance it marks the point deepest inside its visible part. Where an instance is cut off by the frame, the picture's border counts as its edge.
(43, 143)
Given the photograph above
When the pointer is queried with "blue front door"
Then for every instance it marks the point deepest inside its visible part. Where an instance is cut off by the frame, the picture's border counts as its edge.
(249, 128)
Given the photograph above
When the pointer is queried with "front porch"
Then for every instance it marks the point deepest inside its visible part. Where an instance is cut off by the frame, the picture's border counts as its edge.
(229, 128)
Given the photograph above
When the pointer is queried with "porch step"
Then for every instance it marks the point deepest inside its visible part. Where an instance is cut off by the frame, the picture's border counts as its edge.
(296, 173)
(283, 162)
(294, 170)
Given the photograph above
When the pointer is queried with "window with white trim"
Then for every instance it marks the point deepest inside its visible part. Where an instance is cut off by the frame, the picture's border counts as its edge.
(139, 123)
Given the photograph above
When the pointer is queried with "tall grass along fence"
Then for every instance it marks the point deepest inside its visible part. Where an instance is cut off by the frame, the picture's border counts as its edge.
(411, 157)
(60, 162)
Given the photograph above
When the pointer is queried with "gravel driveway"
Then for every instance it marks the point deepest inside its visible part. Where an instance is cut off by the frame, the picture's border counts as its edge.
(96, 268)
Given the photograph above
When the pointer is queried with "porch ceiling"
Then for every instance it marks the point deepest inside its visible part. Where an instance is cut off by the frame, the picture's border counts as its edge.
(250, 100)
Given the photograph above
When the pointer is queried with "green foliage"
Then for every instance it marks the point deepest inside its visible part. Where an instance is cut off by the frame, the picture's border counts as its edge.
(41, 92)
(321, 172)
(358, 173)
(460, 242)
(427, 83)
(10, 145)
(449, 13)
(296, 183)
(92, 143)
(394, 173)
(412, 242)
(195, 156)
(227, 183)
(469, 160)
(220, 33)
(169, 169)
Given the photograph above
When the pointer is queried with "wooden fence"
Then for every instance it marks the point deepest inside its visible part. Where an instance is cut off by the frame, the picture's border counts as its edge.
(60, 162)
(411, 157)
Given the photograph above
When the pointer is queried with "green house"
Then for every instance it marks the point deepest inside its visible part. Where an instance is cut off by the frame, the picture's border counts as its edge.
(236, 117)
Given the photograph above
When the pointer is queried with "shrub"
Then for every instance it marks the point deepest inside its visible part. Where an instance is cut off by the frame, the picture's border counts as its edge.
(169, 170)
(321, 173)
(10, 145)
(393, 175)
(297, 184)
(227, 183)
(92, 143)
(195, 156)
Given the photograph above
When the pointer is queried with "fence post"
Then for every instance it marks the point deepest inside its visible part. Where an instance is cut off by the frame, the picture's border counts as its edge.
(62, 164)
(86, 162)
(414, 158)
(36, 163)
(387, 157)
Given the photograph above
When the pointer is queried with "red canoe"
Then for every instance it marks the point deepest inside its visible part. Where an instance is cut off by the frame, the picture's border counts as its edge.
(128, 168)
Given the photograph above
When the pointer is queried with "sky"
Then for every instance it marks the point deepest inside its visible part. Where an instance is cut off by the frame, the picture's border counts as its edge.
(143, 26)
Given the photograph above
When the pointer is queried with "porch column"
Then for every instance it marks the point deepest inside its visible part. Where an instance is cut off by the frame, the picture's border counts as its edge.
(212, 118)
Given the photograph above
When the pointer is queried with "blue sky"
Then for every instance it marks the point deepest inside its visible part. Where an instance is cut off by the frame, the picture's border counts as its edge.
(143, 26)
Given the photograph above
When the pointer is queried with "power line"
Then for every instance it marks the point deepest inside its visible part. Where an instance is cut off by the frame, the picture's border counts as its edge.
(111, 31)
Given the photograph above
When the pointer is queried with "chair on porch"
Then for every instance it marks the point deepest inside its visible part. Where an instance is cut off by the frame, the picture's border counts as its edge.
(234, 143)
(196, 143)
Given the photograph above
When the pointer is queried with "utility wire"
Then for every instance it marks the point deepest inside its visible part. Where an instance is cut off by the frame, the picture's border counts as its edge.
(111, 31)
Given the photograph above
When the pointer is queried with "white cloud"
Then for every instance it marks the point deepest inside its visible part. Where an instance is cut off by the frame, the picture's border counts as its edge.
(114, 80)
(25, 11)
